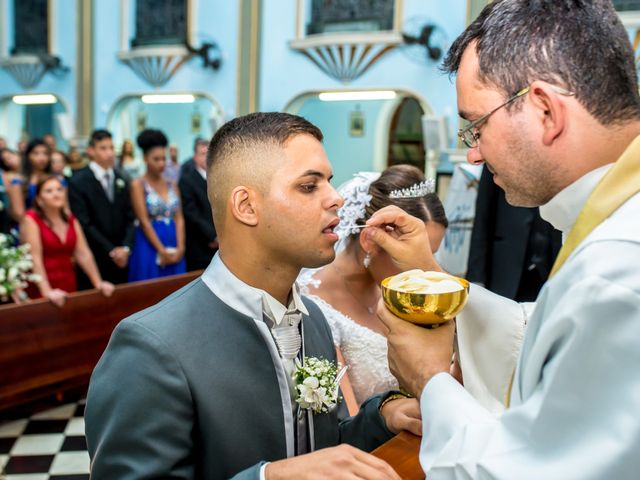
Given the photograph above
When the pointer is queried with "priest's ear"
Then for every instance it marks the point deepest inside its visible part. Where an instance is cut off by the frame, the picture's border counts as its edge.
(243, 205)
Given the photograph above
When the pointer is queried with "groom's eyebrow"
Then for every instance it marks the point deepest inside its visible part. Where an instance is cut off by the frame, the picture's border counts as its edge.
(316, 173)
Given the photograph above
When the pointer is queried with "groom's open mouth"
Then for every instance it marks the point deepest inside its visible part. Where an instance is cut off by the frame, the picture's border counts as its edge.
(329, 230)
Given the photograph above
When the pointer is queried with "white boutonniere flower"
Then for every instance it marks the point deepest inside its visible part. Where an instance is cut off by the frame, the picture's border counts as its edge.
(120, 183)
(317, 383)
(16, 264)
(1, 205)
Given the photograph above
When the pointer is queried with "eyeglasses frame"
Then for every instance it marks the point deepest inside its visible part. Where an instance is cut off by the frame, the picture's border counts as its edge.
(462, 133)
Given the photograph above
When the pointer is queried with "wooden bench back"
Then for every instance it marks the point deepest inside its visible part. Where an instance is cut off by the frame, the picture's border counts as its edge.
(46, 350)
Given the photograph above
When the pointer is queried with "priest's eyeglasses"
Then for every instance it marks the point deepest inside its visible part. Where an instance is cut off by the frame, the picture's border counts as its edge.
(471, 133)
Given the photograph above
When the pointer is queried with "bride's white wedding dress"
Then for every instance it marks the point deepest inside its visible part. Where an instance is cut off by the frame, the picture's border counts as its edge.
(364, 350)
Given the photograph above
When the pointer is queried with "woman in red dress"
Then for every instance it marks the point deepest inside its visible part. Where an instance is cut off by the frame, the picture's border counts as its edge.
(57, 240)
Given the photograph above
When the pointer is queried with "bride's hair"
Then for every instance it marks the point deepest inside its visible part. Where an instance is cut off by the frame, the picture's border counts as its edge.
(397, 177)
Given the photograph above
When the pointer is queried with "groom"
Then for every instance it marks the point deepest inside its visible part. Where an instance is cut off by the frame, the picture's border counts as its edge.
(199, 386)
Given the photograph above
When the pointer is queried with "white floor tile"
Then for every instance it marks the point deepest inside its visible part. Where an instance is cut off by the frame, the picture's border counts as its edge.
(41, 444)
(58, 413)
(3, 461)
(13, 429)
(75, 426)
(70, 463)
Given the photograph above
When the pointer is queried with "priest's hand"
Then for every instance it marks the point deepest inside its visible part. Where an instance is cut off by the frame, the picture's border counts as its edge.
(416, 354)
(403, 237)
(341, 462)
(402, 414)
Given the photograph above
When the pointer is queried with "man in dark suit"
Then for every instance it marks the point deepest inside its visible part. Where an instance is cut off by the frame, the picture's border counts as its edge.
(202, 241)
(512, 248)
(201, 385)
(99, 198)
(188, 164)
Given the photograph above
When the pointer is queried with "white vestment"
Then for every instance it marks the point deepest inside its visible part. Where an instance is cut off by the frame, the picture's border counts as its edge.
(576, 392)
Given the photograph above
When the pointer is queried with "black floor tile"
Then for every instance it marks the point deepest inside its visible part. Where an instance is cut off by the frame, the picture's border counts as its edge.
(45, 426)
(79, 411)
(6, 444)
(28, 464)
(74, 444)
(82, 476)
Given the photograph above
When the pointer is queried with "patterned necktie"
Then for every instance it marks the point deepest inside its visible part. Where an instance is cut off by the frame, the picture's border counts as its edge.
(287, 335)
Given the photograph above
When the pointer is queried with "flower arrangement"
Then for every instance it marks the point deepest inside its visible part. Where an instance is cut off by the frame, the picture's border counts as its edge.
(15, 267)
(317, 381)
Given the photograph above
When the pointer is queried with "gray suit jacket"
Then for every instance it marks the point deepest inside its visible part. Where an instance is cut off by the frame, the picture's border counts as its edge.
(187, 389)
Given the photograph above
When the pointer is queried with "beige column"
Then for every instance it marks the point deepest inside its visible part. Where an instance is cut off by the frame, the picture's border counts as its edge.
(248, 87)
(84, 70)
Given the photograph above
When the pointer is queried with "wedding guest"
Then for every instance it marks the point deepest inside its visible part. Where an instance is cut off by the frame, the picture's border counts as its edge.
(50, 141)
(99, 197)
(11, 194)
(202, 240)
(76, 160)
(128, 163)
(348, 290)
(172, 169)
(198, 144)
(36, 165)
(59, 167)
(22, 146)
(10, 161)
(57, 241)
(159, 241)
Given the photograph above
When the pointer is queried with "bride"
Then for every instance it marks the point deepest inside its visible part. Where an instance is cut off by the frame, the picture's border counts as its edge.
(348, 291)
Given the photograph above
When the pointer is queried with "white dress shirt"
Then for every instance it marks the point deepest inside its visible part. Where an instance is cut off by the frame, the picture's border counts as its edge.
(576, 392)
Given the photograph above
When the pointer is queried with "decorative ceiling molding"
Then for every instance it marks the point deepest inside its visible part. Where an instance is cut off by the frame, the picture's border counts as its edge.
(156, 65)
(28, 70)
(346, 56)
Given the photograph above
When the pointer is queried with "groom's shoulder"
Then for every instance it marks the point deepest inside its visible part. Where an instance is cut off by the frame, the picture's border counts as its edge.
(183, 310)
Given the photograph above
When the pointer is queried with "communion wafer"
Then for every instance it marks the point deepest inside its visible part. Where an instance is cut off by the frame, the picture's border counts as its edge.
(418, 281)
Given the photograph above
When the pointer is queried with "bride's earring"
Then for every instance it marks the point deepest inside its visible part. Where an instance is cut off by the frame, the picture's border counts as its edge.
(367, 260)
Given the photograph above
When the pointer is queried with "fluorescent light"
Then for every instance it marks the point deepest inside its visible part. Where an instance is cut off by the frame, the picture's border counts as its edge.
(34, 99)
(168, 98)
(358, 95)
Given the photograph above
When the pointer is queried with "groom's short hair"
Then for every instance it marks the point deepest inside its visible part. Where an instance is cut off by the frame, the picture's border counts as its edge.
(242, 152)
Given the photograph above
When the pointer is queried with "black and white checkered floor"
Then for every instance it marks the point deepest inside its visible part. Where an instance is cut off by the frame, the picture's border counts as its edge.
(48, 446)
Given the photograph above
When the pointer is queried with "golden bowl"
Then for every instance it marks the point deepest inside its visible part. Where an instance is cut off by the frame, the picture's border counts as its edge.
(426, 309)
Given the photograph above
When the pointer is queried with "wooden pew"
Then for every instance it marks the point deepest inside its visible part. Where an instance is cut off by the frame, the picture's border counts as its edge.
(46, 350)
(401, 452)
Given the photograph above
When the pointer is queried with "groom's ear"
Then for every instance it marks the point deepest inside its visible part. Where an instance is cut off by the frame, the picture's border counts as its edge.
(243, 204)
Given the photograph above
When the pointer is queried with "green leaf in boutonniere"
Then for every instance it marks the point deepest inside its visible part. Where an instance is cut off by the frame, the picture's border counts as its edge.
(317, 382)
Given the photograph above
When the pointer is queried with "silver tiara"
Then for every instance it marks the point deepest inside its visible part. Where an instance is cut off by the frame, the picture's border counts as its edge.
(416, 190)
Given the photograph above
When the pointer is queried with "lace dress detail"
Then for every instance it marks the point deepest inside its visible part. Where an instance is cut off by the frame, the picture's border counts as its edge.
(364, 350)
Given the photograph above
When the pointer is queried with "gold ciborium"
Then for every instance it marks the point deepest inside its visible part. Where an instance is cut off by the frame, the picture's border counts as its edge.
(425, 298)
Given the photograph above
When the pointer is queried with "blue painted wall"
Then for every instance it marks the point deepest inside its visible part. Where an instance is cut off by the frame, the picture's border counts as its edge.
(348, 154)
(64, 46)
(286, 73)
(216, 20)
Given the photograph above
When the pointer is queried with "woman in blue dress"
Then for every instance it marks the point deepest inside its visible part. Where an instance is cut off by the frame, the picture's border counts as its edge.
(158, 250)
